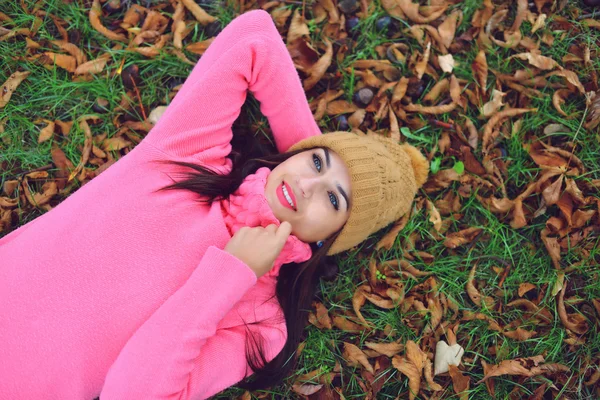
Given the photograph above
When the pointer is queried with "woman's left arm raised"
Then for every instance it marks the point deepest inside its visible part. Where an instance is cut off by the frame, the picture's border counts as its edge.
(178, 353)
(248, 54)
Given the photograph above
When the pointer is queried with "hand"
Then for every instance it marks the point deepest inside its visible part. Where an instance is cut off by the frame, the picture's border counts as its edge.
(259, 247)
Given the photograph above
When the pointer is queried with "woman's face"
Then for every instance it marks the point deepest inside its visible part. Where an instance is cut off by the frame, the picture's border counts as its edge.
(311, 190)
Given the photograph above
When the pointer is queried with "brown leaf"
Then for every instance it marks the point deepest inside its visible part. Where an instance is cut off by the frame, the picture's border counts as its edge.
(393, 8)
(358, 300)
(10, 86)
(63, 61)
(446, 108)
(199, 47)
(280, 15)
(471, 163)
(539, 23)
(306, 389)
(114, 143)
(552, 192)
(388, 240)
(95, 14)
(552, 246)
(474, 293)
(462, 237)
(480, 70)
(438, 89)
(201, 16)
(92, 67)
(400, 90)
(39, 199)
(72, 50)
(388, 349)
(411, 10)
(345, 324)
(63, 164)
(460, 382)
(428, 373)
(570, 76)
(46, 133)
(518, 366)
(317, 71)
(421, 65)
(581, 217)
(545, 158)
(525, 287)
(322, 319)
(298, 28)
(536, 59)
(578, 326)
(447, 29)
(355, 357)
(434, 216)
(494, 104)
(87, 147)
(411, 372)
(340, 107)
(496, 118)
(519, 334)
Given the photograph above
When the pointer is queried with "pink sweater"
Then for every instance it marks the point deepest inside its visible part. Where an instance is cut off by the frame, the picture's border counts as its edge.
(126, 293)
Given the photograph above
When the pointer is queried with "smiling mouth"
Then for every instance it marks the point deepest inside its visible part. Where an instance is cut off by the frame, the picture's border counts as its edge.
(287, 196)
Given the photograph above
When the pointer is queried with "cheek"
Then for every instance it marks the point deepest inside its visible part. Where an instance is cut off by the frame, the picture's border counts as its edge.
(320, 219)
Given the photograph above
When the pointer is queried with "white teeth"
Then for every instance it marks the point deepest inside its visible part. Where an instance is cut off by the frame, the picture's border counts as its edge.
(287, 195)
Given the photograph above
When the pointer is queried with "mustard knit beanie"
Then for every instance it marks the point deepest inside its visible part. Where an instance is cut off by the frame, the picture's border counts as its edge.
(385, 177)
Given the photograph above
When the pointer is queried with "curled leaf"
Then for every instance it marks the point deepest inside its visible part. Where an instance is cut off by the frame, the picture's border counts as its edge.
(10, 86)
(411, 10)
(95, 14)
(202, 16)
(317, 71)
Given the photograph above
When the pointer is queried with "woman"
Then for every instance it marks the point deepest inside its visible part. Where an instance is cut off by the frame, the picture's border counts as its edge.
(136, 287)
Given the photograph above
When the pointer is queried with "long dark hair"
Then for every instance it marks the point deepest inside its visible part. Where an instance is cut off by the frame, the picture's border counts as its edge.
(296, 284)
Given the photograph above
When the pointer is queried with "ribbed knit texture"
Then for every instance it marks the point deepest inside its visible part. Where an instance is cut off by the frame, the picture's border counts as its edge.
(248, 206)
(383, 181)
(124, 291)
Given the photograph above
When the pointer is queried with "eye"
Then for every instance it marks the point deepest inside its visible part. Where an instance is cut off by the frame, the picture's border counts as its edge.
(317, 161)
(334, 200)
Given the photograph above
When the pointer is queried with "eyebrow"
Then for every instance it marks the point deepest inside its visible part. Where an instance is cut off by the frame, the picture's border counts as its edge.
(344, 195)
(339, 187)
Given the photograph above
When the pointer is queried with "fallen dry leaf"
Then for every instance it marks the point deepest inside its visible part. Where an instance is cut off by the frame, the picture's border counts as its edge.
(47, 132)
(411, 10)
(536, 59)
(317, 71)
(530, 366)
(95, 14)
(355, 357)
(201, 16)
(92, 67)
(10, 86)
(460, 382)
(494, 104)
(455, 239)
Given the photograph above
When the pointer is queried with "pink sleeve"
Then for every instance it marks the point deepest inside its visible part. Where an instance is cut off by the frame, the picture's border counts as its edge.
(178, 353)
(248, 54)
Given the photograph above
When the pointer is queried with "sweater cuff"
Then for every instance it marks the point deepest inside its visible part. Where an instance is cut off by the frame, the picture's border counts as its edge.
(217, 266)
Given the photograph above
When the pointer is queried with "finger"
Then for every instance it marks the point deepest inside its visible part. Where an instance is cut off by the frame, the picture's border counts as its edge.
(271, 228)
(284, 230)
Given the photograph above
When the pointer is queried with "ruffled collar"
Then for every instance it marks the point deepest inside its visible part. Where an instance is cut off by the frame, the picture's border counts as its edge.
(248, 206)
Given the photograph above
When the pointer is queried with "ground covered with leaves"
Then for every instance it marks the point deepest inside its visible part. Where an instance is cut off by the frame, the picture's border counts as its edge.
(490, 287)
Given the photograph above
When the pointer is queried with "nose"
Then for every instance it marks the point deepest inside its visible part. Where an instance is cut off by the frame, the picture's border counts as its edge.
(309, 185)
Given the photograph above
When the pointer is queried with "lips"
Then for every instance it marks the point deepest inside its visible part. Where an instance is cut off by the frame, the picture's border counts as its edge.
(285, 194)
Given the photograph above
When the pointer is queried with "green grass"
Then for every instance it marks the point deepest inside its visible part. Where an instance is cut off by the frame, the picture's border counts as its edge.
(51, 94)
